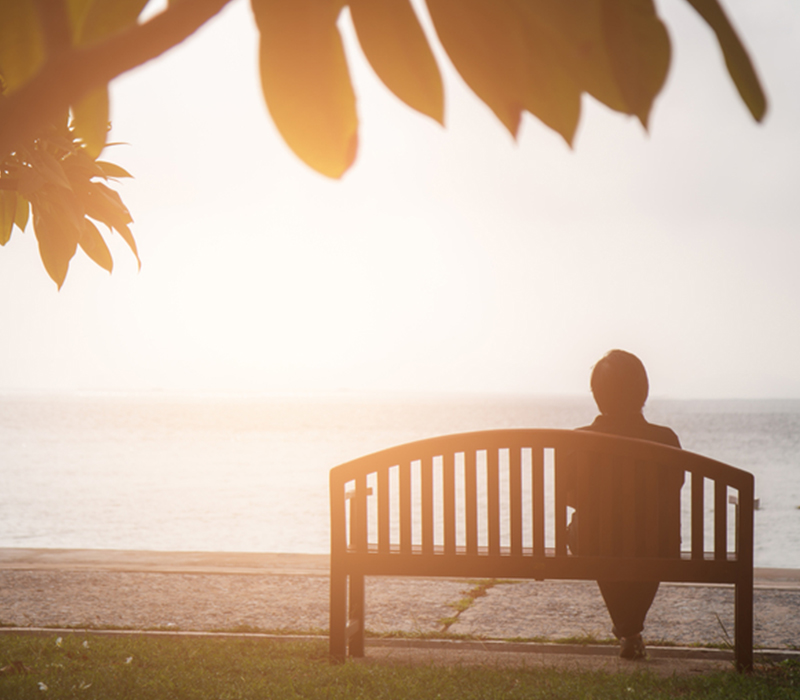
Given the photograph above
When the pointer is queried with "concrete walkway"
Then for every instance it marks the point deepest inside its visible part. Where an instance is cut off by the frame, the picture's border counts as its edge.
(204, 592)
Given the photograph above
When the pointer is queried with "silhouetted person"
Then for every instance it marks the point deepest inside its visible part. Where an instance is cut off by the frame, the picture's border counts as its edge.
(620, 387)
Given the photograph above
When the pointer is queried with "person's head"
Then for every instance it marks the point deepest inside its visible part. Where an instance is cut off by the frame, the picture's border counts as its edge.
(619, 384)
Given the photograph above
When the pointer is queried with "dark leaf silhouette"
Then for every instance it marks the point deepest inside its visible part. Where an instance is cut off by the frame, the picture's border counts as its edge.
(57, 225)
(736, 57)
(306, 82)
(395, 45)
(92, 243)
(639, 52)
(8, 214)
(485, 41)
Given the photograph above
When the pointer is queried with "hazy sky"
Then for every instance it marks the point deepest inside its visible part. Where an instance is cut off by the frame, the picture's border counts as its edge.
(447, 259)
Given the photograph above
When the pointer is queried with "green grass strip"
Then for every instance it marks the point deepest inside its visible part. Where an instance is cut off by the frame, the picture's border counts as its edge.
(90, 666)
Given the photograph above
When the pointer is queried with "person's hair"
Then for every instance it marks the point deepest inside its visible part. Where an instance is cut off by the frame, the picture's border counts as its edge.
(619, 383)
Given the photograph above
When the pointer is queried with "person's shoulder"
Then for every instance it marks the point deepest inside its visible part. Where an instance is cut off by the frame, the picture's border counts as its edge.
(598, 425)
(638, 428)
(663, 434)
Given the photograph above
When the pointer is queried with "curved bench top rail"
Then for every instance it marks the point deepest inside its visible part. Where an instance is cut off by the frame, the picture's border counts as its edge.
(536, 438)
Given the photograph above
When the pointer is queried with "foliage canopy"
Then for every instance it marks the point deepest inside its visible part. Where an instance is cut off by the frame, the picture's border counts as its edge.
(538, 56)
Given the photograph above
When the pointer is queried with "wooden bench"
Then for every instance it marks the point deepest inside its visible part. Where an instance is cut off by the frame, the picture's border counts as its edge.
(493, 504)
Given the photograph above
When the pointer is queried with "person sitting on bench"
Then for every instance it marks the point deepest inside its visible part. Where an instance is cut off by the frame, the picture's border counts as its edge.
(620, 387)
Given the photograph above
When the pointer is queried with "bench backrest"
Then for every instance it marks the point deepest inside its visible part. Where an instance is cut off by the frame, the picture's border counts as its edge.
(499, 500)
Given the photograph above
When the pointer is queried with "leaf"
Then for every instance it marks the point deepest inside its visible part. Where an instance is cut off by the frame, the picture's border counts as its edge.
(395, 45)
(737, 60)
(21, 45)
(80, 167)
(57, 232)
(577, 31)
(112, 169)
(551, 94)
(639, 50)
(8, 212)
(23, 209)
(484, 41)
(127, 236)
(105, 205)
(49, 167)
(94, 246)
(54, 142)
(98, 19)
(90, 121)
(306, 83)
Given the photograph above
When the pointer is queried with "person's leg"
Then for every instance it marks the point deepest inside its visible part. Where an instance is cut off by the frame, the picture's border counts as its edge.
(628, 603)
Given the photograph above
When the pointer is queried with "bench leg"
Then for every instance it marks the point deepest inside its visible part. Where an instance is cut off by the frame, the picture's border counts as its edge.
(356, 631)
(337, 634)
(744, 624)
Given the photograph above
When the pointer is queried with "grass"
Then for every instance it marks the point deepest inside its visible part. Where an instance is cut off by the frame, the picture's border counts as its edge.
(141, 667)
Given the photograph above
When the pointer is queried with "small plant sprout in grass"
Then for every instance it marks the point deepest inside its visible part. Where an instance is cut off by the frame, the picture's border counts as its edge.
(728, 641)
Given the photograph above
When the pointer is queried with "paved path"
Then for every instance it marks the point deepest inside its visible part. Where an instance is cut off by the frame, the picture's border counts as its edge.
(280, 593)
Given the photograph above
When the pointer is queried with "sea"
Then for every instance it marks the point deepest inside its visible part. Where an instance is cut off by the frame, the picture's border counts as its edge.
(250, 474)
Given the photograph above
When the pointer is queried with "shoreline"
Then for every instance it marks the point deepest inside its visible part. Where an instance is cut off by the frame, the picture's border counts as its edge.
(241, 563)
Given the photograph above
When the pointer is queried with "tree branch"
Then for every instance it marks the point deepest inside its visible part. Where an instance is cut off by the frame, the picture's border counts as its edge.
(66, 78)
(54, 23)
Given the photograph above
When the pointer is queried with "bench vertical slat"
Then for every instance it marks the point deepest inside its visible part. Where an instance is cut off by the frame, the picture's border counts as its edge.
(493, 498)
(628, 514)
(698, 515)
(405, 507)
(560, 510)
(515, 500)
(720, 519)
(588, 510)
(652, 514)
(449, 505)
(537, 493)
(471, 501)
(669, 506)
(426, 475)
(384, 532)
(640, 489)
(358, 515)
(607, 486)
